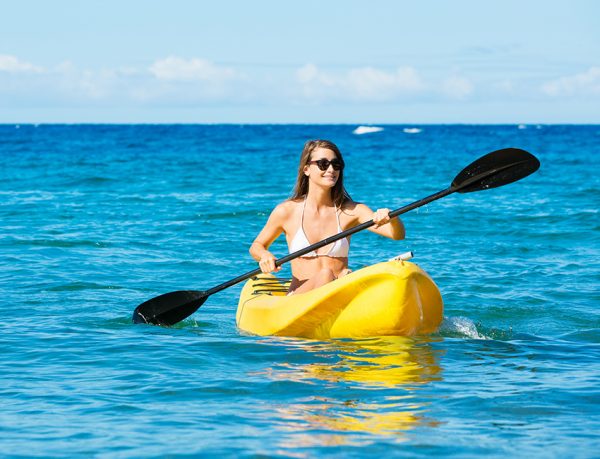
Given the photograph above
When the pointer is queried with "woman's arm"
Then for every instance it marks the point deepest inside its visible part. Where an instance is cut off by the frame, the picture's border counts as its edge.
(392, 228)
(271, 231)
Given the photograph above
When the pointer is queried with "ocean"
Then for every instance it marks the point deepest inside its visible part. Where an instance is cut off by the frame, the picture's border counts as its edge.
(96, 219)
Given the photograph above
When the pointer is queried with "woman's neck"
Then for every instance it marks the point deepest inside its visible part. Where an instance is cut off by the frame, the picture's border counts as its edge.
(319, 197)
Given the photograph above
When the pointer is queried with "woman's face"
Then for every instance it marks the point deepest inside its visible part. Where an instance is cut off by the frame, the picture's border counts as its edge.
(327, 177)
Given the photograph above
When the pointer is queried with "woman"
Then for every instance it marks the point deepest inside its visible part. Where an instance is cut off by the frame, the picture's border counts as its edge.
(319, 208)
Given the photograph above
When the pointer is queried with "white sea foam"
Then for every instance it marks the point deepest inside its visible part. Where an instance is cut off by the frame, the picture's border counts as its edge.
(462, 326)
(366, 130)
(412, 130)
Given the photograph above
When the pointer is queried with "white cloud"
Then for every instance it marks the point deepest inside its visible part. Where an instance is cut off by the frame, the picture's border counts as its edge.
(170, 81)
(585, 83)
(12, 64)
(362, 83)
(189, 82)
(370, 83)
(457, 87)
(177, 69)
(197, 82)
(308, 73)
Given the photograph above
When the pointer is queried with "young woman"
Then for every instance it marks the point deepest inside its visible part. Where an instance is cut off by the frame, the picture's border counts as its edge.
(319, 208)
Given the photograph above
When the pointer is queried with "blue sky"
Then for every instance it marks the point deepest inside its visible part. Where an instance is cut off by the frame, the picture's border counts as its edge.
(302, 62)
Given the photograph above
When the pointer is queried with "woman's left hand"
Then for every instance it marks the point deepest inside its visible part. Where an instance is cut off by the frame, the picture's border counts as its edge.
(381, 217)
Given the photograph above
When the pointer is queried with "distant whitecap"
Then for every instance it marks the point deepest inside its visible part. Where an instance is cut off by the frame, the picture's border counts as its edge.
(522, 126)
(366, 130)
(412, 130)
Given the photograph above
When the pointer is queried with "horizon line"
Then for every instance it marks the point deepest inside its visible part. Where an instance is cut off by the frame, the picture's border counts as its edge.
(251, 123)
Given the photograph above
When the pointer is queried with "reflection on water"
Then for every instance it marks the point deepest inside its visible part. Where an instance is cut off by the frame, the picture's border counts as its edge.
(388, 361)
(371, 390)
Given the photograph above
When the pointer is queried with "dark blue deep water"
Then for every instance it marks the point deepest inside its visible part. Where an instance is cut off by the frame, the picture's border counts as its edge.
(95, 219)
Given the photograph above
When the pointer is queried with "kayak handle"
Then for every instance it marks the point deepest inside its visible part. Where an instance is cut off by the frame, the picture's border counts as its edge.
(403, 256)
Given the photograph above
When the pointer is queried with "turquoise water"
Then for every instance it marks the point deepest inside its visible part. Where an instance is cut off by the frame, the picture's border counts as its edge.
(96, 219)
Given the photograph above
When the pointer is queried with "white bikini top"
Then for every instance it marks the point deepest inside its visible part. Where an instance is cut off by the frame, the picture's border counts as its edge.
(340, 248)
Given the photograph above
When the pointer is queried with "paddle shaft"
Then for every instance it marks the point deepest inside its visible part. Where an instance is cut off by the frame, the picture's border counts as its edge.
(331, 239)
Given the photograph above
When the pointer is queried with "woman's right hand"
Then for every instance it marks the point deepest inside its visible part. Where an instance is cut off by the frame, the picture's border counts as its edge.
(267, 263)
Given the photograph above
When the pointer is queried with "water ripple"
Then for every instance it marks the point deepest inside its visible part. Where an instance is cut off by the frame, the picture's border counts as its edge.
(513, 370)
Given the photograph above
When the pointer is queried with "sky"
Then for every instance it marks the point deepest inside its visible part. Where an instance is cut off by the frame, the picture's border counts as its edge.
(324, 61)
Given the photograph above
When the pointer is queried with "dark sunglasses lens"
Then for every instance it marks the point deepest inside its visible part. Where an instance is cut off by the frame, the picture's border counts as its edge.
(336, 164)
(323, 164)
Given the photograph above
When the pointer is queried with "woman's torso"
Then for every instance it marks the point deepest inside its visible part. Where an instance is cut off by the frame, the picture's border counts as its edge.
(306, 225)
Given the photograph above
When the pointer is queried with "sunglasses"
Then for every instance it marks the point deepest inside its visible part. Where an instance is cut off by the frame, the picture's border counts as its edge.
(323, 164)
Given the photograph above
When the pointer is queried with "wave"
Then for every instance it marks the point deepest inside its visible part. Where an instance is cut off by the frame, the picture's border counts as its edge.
(366, 130)
(412, 130)
(461, 327)
(76, 286)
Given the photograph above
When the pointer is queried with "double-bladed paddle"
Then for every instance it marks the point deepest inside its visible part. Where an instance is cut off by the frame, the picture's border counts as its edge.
(490, 171)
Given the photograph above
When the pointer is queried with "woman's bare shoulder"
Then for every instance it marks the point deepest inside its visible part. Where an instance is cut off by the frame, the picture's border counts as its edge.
(285, 208)
(351, 207)
(355, 210)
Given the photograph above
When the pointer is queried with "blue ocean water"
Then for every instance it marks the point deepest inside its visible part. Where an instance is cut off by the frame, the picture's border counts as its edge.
(96, 219)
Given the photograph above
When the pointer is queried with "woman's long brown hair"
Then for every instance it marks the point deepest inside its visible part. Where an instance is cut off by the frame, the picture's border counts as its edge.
(339, 195)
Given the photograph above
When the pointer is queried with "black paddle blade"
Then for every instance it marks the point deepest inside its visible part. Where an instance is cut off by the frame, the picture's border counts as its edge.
(170, 308)
(495, 169)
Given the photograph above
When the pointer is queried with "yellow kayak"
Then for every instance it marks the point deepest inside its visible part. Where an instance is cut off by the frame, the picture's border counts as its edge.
(390, 298)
